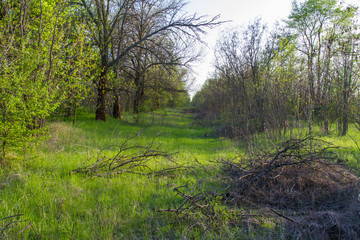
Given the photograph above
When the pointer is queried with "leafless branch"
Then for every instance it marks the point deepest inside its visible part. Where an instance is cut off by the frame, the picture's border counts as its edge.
(9, 226)
(130, 158)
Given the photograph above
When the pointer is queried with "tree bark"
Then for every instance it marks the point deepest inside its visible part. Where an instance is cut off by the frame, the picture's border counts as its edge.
(139, 94)
(3, 154)
(138, 99)
(117, 108)
(345, 109)
(101, 97)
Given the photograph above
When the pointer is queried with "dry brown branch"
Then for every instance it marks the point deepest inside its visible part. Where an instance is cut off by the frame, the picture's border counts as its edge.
(196, 210)
(129, 158)
(283, 216)
(9, 226)
(201, 211)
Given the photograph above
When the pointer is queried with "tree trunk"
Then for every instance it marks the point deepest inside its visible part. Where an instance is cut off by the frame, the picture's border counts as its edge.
(309, 122)
(346, 90)
(345, 117)
(117, 108)
(137, 100)
(327, 88)
(325, 111)
(3, 154)
(326, 125)
(139, 94)
(261, 112)
(345, 125)
(101, 97)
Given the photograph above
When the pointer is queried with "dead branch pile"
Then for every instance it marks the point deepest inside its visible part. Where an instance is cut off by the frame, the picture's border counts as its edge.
(300, 187)
(128, 158)
(301, 182)
(293, 177)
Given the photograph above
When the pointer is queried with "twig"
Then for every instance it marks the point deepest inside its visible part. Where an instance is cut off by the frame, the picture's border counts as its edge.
(283, 216)
(13, 216)
(125, 161)
(168, 210)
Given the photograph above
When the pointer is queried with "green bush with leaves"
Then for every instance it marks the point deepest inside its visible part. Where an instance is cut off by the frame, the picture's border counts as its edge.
(41, 64)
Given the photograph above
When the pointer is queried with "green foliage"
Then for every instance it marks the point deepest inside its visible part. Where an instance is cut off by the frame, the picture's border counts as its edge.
(40, 67)
(24, 100)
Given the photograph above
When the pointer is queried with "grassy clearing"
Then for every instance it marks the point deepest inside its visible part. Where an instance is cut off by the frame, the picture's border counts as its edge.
(61, 205)
(67, 206)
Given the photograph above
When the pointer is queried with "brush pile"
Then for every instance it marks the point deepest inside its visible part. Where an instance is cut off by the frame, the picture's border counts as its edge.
(303, 183)
(129, 158)
(301, 188)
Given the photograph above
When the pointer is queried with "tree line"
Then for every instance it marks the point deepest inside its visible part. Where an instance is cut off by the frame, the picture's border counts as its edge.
(103, 54)
(304, 71)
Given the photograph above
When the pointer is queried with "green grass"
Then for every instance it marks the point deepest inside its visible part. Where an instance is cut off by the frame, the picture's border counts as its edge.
(61, 205)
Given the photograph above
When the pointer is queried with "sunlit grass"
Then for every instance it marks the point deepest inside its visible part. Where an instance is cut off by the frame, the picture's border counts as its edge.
(61, 205)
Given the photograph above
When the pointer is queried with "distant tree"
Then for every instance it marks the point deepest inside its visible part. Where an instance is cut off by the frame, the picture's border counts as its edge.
(238, 70)
(307, 70)
(315, 24)
(347, 78)
(108, 23)
(253, 49)
(282, 90)
(308, 21)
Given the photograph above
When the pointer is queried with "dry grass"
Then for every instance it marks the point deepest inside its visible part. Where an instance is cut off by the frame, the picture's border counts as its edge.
(62, 134)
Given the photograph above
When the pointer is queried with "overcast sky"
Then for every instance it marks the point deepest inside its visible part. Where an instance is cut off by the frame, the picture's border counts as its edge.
(241, 13)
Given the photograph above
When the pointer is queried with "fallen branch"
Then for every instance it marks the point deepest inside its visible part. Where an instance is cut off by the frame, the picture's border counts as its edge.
(9, 226)
(130, 158)
(283, 216)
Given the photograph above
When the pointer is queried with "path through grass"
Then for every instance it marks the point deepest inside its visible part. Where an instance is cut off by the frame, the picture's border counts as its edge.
(58, 205)
(67, 206)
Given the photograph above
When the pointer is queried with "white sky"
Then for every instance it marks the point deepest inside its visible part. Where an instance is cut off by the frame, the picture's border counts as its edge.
(241, 13)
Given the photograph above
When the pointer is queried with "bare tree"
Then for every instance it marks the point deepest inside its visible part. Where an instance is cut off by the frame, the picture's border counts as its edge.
(307, 21)
(238, 64)
(317, 27)
(346, 76)
(103, 17)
